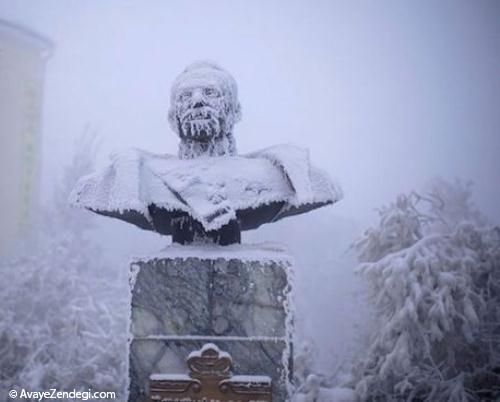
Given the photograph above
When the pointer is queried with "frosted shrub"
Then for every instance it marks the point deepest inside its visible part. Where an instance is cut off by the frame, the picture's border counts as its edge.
(63, 318)
(432, 271)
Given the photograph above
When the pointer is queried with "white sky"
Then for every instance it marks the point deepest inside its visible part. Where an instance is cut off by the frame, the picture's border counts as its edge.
(385, 94)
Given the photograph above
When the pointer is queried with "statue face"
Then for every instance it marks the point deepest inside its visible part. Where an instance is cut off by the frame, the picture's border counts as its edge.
(201, 109)
(203, 106)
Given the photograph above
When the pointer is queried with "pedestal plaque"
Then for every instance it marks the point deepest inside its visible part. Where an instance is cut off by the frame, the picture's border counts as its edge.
(209, 379)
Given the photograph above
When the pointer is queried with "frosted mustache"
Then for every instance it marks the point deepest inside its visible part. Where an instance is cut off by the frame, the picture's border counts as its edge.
(203, 112)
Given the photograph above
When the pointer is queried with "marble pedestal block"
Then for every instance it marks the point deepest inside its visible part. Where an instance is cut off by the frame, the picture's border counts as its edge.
(237, 297)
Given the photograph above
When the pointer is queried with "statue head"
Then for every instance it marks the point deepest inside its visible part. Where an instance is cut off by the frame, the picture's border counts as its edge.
(204, 107)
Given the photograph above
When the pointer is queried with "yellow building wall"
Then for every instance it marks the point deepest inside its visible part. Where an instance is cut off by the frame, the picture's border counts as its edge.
(22, 70)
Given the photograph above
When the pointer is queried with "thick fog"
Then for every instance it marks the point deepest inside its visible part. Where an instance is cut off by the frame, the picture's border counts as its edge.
(386, 95)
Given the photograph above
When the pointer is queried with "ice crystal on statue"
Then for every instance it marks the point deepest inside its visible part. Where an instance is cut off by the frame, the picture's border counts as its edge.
(432, 267)
(203, 110)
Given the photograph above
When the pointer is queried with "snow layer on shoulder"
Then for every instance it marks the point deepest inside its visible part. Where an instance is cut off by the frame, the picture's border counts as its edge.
(310, 184)
(124, 185)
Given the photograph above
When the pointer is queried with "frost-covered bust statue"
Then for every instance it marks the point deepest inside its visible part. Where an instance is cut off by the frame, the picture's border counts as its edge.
(207, 193)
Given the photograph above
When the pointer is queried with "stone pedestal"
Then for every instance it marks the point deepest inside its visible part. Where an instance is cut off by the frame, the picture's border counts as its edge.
(236, 297)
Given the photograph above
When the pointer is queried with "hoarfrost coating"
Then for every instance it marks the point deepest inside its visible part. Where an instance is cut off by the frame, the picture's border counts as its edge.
(203, 110)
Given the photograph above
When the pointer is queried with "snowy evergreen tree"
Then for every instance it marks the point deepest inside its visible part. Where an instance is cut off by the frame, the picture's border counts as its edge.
(432, 270)
(63, 316)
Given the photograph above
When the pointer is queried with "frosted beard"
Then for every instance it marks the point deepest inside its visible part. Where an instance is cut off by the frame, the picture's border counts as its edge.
(201, 124)
(205, 130)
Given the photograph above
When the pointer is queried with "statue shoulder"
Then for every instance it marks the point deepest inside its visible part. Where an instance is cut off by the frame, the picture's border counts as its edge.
(125, 184)
(311, 185)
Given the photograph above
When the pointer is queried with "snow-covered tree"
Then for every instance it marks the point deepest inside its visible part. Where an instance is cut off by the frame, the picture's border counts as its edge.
(63, 315)
(312, 386)
(432, 271)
